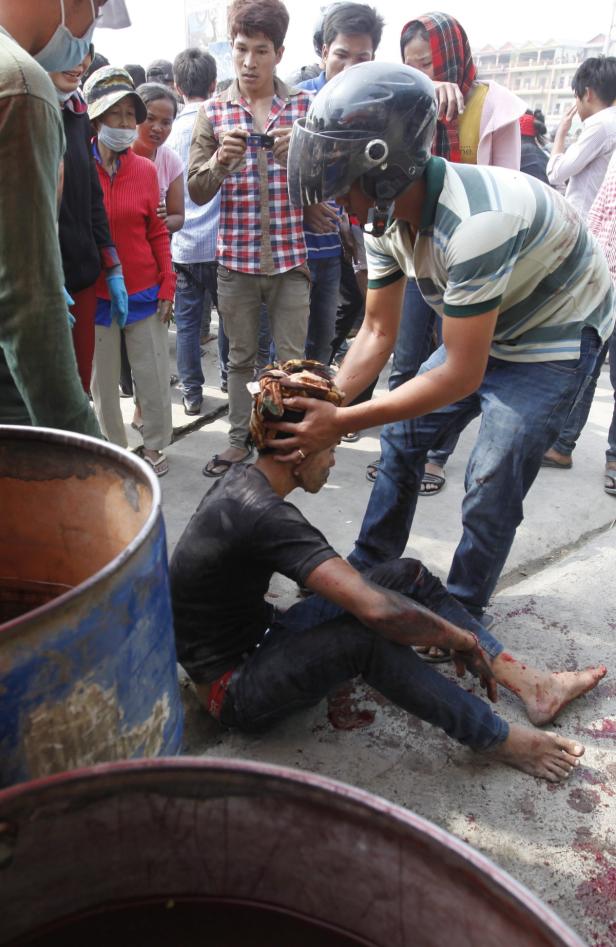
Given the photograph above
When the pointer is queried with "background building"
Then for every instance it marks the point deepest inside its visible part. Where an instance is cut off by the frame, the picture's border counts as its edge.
(206, 28)
(540, 74)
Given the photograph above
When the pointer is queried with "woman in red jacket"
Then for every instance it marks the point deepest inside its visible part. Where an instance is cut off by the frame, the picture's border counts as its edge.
(131, 195)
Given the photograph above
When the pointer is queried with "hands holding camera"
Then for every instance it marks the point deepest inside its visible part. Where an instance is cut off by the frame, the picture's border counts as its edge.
(235, 141)
(232, 147)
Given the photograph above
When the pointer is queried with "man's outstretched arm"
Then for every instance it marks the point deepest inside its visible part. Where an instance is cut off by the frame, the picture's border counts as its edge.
(467, 341)
(398, 618)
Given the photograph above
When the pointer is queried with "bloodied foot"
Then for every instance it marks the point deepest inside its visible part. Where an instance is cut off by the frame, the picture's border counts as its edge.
(542, 754)
(543, 693)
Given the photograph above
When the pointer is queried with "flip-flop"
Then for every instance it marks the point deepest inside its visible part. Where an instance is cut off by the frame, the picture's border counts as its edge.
(609, 482)
(351, 437)
(159, 466)
(435, 480)
(556, 464)
(210, 468)
(372, 470)
(440, 658)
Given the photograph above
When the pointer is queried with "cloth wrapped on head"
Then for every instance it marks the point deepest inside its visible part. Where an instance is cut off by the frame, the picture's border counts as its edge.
(296, 378)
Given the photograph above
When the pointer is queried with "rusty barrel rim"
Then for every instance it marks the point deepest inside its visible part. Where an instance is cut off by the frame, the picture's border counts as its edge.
(103, 449)
(100, 780)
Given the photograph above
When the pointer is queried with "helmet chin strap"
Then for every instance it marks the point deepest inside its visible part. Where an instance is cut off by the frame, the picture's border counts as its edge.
(379, 218)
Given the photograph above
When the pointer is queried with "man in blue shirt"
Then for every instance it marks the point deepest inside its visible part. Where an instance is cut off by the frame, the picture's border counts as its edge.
(193, 248)
(351, 34)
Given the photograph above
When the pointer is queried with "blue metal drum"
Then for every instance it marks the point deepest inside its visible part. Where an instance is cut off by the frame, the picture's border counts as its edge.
(87, 657)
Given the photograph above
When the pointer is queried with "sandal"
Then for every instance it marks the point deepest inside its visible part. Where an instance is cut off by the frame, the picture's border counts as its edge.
(218, 466)
(372, 470)
(351, 437)
(160, 466)
(431, 484)
(609, 481)
(441, 657)
(557, 464)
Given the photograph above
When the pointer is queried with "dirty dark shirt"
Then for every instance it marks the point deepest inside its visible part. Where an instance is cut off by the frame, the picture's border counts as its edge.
(241, 533)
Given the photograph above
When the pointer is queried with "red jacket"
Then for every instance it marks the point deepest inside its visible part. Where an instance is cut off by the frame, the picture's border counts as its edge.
(140, 236)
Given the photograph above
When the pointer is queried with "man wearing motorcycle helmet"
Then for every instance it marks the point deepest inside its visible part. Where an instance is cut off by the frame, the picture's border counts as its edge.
(521, 287)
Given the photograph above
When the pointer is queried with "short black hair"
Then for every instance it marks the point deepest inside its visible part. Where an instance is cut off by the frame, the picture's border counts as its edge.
(351, 19)
(194, 71)
(599, 74)
(98, 61)
(250, 17)
(136, 72)
(154, 91)
(159, 70)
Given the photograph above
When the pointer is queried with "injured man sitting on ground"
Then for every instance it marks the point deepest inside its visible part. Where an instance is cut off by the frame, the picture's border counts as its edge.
(253, 666)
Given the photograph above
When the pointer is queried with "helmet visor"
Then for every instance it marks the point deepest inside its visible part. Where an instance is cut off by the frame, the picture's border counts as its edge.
(323, 166)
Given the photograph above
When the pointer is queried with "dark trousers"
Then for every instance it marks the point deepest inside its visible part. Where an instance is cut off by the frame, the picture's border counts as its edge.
(316, 646)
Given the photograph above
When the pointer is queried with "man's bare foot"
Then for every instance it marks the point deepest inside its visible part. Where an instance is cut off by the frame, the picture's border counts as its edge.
(544, 755)
(543, 693)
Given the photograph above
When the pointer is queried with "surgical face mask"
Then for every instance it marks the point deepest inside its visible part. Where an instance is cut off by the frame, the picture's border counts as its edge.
(64, 51)
(117, 139)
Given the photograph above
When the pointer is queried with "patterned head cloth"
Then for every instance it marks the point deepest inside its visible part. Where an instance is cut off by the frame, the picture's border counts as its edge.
(452, 61)
(297, 377)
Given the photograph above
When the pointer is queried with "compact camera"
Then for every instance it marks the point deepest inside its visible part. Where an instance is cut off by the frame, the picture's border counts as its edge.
(259, 141)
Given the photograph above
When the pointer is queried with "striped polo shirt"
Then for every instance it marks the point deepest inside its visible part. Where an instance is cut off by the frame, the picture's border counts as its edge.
(496, 238)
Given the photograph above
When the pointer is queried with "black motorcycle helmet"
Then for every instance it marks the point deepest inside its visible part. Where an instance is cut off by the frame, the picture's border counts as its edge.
(372, 123)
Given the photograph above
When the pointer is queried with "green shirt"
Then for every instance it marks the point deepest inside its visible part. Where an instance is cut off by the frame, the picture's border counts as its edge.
(34, 332)
(493, 238)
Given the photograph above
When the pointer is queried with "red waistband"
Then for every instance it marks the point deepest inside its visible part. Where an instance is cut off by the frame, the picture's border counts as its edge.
(218, 692)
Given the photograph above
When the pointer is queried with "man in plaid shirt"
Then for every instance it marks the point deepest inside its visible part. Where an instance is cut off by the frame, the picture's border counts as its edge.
(239, 147)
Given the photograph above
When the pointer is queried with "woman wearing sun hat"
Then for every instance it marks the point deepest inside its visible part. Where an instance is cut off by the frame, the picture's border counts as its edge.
(131, 195)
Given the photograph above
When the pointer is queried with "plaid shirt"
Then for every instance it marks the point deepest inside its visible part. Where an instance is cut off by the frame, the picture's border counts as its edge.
(602, 217)
(259, 230)
(452, 61)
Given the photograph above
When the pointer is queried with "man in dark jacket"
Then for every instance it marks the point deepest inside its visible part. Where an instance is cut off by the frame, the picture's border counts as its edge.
(85, 239)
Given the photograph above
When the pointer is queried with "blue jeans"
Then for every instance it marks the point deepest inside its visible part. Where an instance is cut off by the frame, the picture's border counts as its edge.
(194, 282)
(316, 646)
(523, 406)
(324, 288)
(419, 334)
(578, 416)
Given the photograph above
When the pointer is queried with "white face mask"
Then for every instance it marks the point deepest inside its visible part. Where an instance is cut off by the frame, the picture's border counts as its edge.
(64, 51)
(117, 139)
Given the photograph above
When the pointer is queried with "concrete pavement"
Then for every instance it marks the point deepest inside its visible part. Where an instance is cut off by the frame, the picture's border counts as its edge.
(554, 607)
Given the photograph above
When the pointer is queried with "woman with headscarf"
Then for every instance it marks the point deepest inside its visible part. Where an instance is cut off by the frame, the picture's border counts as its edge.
(131, 194)
(478, 119)
(478, 124)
